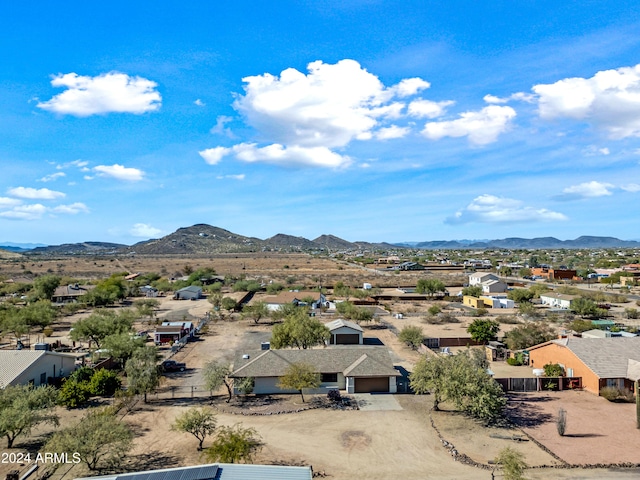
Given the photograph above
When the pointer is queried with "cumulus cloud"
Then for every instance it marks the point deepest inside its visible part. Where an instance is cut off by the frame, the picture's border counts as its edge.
(35, 193)
(120, 172)
(591, 189)
(76, 163)
(520, 96)
(25, 212)
(427, 109)
(393, 131)
(493, 209)
(9, 202)
(290, 155)
(410, 86)
(220, 128)
(105, 93)
(631, 187)
(71, 209)
(52, 177)
(213, 155)
(609, 100)
(481, 127)
(144, 230)
(199, 103)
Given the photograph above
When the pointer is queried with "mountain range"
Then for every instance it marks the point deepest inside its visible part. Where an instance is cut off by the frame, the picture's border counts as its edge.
(202, 239)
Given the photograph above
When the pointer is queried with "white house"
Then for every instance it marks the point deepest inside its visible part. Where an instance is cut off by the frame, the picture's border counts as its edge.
(557, 300)
(493, 286)
(477, 278)
(35, 367)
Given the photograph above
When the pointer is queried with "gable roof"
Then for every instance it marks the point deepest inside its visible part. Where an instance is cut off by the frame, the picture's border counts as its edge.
(14, 362)
(290, 297)
(191, 288)
(351, 361)
(606, 357)
(558, 296)
(339, 323)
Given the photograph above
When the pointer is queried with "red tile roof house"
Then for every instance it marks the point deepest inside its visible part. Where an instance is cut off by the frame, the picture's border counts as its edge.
(357, 369)
(601, 362)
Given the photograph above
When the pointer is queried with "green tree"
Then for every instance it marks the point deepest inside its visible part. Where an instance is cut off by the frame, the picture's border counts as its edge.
(352, 312)
(299, 330)
(199, 422)
(512, 463)
(100, 324)
(215, 375)
(45, 286)
(74, 393)
(430, 286)
(584, 307)
(579, 325)
(105, 383)
(22, 407)
(40, 313)
(429, 376)
(412, 336)
(234, 445)
(483, 330)
(143, 373)
(229, 304)
(121, 346)
(256, 312)
(524, 272)
(146, 307)
(520, 295)
(299, 376)
(528, 335)
(100, 440)
(553, 370)
(472, 291)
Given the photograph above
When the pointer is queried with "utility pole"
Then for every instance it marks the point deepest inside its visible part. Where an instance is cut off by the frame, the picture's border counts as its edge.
(638, 403)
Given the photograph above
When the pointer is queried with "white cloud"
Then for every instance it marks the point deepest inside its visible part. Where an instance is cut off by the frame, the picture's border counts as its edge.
(493, 99)
(33, 193)
(393, 131)
(25, 212)
(591, 189)
(240, 176)
(520, 96)
(213, 155)
(88, 177)
(76, 163)
(220, 128)
(144, 230)
(119, 172)
(6, 202)
(290, 156)
(199, 103)
(631, 187)
(481, 127)
(427, 109)
(604, 151)
(609, 100)
(410, 86)
(71, 209)
(52, 177)
(492, 209)
(105, 93)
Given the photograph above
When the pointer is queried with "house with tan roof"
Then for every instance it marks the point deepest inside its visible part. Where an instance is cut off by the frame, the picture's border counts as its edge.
(601, 362)
(360, 369)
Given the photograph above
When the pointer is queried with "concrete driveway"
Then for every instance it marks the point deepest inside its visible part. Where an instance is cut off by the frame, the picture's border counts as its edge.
(373, 402)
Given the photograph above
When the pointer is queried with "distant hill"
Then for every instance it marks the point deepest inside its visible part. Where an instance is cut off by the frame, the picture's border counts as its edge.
(85, 248)
(202, 239)
(7, 255)
(19, 247)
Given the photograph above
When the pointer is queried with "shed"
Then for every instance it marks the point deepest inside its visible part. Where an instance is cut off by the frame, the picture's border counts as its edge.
(344, 332)
(191, 292)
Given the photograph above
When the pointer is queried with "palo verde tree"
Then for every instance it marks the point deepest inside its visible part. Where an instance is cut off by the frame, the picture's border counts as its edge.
(100, 439)
(412, 336)
(512, 463)
(45, 286)
(234, 445)
(299, 376)
(256, 312)
(22, 407)
(528, 335)
(215, 375)
(100, 324)
(143, 373)
(430, 286)
(299, 330)
(199, 422)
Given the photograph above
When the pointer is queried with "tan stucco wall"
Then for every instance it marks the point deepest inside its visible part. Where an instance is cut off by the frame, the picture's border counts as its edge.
(554, 353)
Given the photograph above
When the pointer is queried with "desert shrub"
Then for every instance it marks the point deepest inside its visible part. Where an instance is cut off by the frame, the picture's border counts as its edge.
(514, 362)
(479, 312)
(615, 394)
(431, 320)
(334, 395)
(448, 318)
(508, 319)
(434, 310)
(82, 374)
(73, 394)
(104, 382)
(553, 370)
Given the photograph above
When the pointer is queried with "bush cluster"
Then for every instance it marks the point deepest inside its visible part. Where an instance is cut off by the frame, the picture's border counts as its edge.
(615, 394)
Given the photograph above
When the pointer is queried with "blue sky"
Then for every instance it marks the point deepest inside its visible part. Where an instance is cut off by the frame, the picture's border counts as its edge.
(371, 120)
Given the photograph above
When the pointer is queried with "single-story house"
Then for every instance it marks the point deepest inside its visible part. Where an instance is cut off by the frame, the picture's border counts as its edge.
(497, 302)
(361, 369)
(70, 293)
(318, 299)
(477, 278)
(148, 291)
(191, 292)
(35, 367)
(598, 333)
(172, 332)
(601, 362)
(474, 302)
(344, 332)
(215, 471)
(557, 300)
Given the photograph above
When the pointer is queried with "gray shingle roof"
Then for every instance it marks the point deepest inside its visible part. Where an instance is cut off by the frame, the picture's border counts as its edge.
(361, 361)
(14, 362)
(606, 357)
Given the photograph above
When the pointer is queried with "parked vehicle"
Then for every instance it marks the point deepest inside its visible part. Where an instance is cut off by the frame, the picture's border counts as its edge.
(172, 366)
